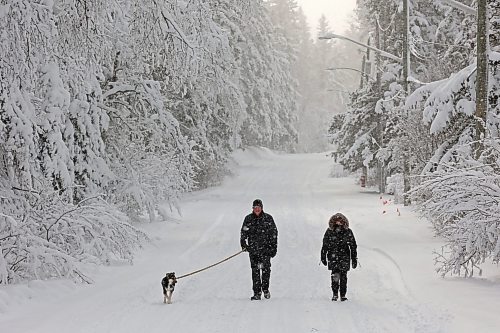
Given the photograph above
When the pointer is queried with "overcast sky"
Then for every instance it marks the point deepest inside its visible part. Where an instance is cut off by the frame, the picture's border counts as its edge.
(336, 11)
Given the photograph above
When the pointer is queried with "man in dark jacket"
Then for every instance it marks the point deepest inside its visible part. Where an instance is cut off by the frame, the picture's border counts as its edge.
(339, 249)
(259, 236)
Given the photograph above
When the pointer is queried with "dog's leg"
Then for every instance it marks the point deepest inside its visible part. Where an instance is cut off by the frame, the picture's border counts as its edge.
(170, 290)
(169, 297)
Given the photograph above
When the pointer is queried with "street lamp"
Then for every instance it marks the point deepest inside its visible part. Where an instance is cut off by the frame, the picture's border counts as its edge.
(461, 6)
(382, 53)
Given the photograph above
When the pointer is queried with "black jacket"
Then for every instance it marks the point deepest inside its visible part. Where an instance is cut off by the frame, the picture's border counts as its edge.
(339, 247)
(259, 235)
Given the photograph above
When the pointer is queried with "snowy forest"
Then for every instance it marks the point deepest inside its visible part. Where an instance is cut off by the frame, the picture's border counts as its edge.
(424, 124)
(109, 109)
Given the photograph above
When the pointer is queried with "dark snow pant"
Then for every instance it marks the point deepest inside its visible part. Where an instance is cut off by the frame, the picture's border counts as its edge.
(339, 279)
(261, 272)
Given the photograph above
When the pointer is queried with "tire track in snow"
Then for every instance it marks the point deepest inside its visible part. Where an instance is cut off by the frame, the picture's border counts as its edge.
(386, 285)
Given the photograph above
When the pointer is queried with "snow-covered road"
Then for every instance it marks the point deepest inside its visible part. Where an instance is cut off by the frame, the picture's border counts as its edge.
(394, 290)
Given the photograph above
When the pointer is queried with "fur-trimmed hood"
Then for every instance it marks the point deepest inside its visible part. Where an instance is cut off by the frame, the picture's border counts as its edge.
(338, 216)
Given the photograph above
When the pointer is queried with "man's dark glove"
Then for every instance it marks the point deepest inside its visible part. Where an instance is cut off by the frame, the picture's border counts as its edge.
(323, 261)
(354, 263)
(244, 248)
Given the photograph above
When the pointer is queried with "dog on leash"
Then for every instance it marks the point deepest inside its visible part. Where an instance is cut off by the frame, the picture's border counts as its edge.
(168, 285)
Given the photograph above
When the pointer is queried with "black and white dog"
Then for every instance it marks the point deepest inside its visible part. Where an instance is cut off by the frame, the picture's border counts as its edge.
(168, 285)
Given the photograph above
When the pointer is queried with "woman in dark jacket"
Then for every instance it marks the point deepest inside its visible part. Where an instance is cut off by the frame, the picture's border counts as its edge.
(338, 251)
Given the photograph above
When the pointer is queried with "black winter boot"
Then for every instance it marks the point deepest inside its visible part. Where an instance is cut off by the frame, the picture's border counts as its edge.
(255, 297)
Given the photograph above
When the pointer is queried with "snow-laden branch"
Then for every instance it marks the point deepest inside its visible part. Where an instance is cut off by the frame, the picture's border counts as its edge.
(417, 81)
(382, 53)
(463, 209)
(170, 20)
(461, 6)
(117, 89)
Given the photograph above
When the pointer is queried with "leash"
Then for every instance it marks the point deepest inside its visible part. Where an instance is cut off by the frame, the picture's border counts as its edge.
(205, 268)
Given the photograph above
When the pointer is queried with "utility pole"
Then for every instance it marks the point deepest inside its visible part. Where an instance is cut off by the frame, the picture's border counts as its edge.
(362, 78)
(406, 74)
(406, 49)
(368, 64)
(482, 72)
(381, 118)
(482, 50)
(366, 70)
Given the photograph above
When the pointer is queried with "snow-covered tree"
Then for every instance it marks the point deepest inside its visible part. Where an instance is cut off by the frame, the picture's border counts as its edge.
(113, 108)
(461, 200)
(270, 88)
(45, 236)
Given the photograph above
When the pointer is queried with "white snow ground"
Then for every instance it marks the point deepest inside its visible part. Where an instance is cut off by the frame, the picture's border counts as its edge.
(395, 288)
